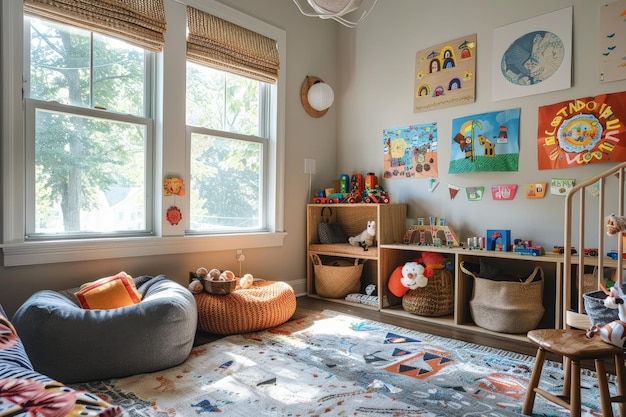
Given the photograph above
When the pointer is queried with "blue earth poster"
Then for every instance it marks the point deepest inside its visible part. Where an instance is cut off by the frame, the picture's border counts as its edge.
(530, 59)
(485, 142)
(410, 152)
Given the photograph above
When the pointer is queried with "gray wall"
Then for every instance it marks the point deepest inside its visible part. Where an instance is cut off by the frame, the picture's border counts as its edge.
(371, 70)
(376, 69)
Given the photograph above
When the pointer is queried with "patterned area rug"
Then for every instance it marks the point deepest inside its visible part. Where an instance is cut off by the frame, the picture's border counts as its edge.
(333, 364)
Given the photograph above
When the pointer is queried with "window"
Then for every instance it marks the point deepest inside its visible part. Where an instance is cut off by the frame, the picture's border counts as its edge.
(88, 133)
(119, 105)
(227, 125)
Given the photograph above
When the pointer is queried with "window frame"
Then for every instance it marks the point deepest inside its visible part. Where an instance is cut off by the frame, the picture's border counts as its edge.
(167, 239)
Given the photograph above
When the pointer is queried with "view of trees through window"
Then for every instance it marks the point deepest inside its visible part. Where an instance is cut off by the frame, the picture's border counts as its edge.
(227, 124)
(88, 130)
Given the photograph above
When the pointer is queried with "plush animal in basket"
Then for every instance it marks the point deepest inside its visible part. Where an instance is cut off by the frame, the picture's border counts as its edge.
(367, 236)
(615, 331)
(415, 275)
(434, 260)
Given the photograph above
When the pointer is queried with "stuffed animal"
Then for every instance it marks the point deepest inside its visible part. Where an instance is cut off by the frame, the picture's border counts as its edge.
(614, 332)
(367, 236)
(434, 260)
(415, 275)
(245, 282)
(615, 224)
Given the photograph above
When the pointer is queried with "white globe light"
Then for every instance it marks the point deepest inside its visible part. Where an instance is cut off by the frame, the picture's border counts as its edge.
(320, 96)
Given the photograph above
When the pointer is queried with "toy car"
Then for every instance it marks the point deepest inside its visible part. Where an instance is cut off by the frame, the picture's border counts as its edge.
(613, 254)
(561, 250)
(530, 250)
(591, 251)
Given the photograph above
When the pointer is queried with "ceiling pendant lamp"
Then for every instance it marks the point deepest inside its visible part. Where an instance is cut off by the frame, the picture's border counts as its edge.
(347, 12)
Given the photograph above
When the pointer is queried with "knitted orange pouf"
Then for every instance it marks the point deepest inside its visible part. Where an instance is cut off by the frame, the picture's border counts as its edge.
(267, 304)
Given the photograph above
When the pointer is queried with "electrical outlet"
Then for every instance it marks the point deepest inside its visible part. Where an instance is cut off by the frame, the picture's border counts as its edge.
(240, 256)
(309, 166)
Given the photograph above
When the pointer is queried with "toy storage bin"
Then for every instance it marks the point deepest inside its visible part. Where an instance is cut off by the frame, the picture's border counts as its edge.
(507, 306)
(433, 300)
(336, 281)
(596, 310)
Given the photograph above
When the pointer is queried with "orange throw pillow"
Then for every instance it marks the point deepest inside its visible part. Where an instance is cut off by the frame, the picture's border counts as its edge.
(394, 284)
(108, 293)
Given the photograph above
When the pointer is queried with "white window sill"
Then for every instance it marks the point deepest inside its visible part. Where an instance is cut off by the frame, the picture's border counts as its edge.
(33, 253)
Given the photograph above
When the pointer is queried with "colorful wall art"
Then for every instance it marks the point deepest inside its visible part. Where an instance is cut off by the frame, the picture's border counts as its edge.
(485, 142)
(529, 59)
(613, 41)
(582, 131)
(410, 152)
(445, 75)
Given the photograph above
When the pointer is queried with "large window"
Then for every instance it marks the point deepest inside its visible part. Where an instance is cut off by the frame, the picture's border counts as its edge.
(88, 133)
(227, 129)
(92, 126)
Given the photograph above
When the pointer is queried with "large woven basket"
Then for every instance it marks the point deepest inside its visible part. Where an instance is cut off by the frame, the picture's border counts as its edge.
(507, 306)
(435, 299)
(336, 281)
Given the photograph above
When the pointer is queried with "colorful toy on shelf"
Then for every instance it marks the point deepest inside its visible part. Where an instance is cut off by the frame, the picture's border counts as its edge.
(561, 250)
(351, 190)
(613, 254)
(415, 275)
(476, 242)
(591, 251)
(499, 240)
(434, 230)
(525, 247)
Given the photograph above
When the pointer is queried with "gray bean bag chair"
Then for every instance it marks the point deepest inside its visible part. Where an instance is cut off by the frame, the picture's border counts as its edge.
(71, 344)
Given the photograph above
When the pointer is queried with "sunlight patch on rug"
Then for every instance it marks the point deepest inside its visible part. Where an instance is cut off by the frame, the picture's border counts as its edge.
(333, 364)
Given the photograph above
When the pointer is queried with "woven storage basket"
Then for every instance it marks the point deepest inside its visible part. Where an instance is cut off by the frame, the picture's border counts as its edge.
(435, 299)
(507, 306)
(336, 281)
(596, 310)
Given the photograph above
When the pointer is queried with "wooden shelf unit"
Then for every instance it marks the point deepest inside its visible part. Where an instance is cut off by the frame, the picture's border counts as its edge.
(390, 228)
(391, 252)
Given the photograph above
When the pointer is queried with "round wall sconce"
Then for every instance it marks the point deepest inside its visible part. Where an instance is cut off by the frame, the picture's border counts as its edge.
(316, 96)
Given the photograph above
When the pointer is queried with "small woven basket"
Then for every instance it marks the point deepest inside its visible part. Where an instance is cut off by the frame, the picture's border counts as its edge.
(596, 310)
(336, 281)
(433, 300)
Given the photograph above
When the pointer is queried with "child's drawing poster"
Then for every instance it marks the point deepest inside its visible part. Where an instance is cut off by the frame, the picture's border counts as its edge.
(410, 152)
(485, 142)
(445, 75)
(582, 131)
(613, 41)
(532, 56)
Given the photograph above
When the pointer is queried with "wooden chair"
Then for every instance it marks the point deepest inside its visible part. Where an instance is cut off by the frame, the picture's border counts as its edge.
(571, 342)
(574, 346)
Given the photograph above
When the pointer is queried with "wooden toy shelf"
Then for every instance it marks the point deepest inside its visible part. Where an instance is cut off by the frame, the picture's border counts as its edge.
(390, 228)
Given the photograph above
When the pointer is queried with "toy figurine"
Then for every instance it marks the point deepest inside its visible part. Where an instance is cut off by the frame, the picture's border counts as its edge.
(367, 236)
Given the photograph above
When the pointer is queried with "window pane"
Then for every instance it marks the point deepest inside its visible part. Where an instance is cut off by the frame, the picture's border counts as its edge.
(118, 76)
(222, 101)
(89, 174)
(226, 183)
(59, 63)
(61, 69)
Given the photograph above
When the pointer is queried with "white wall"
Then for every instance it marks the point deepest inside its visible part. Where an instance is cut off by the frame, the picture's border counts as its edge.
(376, 69)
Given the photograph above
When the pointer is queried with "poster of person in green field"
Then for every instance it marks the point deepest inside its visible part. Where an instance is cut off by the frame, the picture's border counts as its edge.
(582, 131)
(485, 142)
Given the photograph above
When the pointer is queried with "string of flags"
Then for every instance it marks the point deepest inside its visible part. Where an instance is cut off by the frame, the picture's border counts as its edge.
(557, 187)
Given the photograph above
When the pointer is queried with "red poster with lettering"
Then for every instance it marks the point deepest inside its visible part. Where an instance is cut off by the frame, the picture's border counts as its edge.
(582, 131)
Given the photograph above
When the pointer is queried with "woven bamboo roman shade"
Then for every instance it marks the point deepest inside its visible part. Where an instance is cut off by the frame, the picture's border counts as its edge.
(217, 43)
(138, 22)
